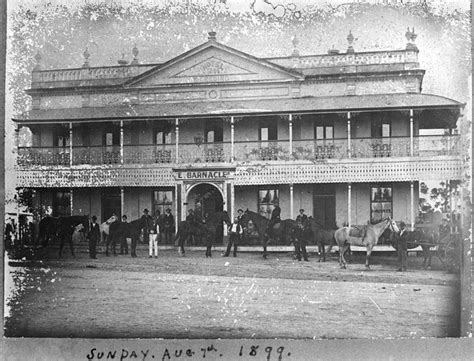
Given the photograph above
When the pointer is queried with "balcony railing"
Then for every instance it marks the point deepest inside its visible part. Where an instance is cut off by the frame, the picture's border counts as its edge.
(243, 151)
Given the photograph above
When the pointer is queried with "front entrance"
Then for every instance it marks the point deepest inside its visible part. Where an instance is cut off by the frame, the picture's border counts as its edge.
(324, 205)
(206, 199)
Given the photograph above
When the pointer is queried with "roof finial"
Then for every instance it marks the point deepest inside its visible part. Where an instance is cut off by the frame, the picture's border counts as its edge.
(86, 55)
(295, 42)
(350, 40)
(38, 61)
(122, 61)
(212, 35)
(135, 55)
(411, 37)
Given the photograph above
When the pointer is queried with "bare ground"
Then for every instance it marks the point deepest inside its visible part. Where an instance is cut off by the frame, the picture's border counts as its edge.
(243, 297)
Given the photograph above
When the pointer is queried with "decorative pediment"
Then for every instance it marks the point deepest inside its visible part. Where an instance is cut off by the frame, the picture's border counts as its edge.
(213, 63)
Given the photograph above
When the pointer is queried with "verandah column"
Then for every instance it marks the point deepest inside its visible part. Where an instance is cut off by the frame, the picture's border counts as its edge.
(412, 206)
(290, 136)
(349, 150)
(70, 144)
(232, 139)
(177, 139)
(291, 202)
(121, 143)
(122, 202)
(71, 200)
(349, 196)
(411, 133)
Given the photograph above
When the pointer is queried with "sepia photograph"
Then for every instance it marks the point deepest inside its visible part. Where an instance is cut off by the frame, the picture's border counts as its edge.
(262, 170)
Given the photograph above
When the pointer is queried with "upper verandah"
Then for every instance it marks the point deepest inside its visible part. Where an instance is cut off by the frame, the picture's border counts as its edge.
(300, 66)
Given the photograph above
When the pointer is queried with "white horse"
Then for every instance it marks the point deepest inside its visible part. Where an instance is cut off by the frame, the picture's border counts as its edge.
(105, 228)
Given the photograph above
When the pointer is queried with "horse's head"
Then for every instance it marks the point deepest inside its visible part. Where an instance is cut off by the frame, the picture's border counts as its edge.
(393, 225)
(225, 218)
(112, 219)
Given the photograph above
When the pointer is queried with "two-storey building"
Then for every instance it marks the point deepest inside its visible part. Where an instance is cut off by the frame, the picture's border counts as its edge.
(347, 136)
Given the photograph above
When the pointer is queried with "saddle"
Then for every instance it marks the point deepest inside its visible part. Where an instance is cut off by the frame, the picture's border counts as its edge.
(358, 231)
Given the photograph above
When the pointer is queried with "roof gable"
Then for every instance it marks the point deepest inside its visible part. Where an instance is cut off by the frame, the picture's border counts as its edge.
(210, 63)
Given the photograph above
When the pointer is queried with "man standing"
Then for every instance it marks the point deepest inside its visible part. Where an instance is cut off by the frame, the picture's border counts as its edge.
(402, 248)
(123, 234)
(235, 234)
(153, 236)
(93, 236)
(168, 224)
(148, 225)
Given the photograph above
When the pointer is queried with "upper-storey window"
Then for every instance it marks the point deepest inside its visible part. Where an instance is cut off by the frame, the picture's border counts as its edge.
(381, 128)
(162, 133)
(111, 136)
(323, 132)
(214, 131)
(268, 130)
(61, 137)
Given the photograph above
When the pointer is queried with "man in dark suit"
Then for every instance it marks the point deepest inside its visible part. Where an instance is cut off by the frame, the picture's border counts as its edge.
(235, 234)
(301, 218)
(148, 221)
(93, 236)
(274, 219)
(168, 226)
(402, 248)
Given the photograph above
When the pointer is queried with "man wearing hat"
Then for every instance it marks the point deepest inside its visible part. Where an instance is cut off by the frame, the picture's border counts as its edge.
(93, 236)
(148, 222)
(301, 218)
(402, 248)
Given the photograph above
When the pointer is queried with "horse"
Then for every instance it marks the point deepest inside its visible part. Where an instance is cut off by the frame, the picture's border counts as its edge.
(48, 227)
(286, 229)
(373, 233)
(414, 239)
(121, 230)
(105, 228)
(313, 230)
(207, 230)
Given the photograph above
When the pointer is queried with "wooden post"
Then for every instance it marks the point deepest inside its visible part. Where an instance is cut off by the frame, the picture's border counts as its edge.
(121, 142)
(291, 202)
(412, 206)
(122, 202)
(71, 201)
(349, 148)
(70, 144)
(290, 136)
(412, 146)
(177, 139)
(349, 196)
(232, 138)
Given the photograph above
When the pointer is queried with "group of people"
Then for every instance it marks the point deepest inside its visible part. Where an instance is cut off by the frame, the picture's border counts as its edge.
(159, 227)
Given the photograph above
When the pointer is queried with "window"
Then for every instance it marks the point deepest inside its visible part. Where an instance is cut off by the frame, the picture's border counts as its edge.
(162, 133)
(111, 136)
(381, 128)
(61, 137)
(268, 130)
(61, 203)
(162, 200)
(380, 202)
(323, 132)
(214, 131)
(267, 198)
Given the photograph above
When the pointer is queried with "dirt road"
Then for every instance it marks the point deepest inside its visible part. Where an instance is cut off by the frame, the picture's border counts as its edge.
(243, 297)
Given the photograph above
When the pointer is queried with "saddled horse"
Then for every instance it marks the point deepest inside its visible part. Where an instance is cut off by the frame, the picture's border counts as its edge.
(105, 228)
(208, 231)
(284, 230)
(320, 236)
(373, 232)
(416, 238)
(61, 228)
(120, 230)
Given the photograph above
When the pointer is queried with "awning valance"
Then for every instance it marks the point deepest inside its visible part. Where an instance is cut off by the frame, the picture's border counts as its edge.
(332, 104)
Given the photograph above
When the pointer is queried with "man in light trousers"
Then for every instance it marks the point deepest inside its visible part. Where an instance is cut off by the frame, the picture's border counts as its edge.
(153, 238)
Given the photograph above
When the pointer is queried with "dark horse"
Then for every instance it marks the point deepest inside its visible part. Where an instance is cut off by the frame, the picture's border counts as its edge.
(207, 230)
(285, 230)
(314, 233)
(61, 228)
(416, 238)
(120, 230)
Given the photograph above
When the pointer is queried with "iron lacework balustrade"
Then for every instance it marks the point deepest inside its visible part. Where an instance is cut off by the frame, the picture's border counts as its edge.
(242, 151)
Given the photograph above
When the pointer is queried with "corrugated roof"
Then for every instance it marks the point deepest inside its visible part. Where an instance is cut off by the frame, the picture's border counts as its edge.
(247, 107)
